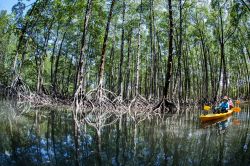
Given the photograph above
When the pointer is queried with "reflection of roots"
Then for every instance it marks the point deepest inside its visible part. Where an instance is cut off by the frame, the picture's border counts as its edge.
(94, 101)
(139, 109)
(94, 109)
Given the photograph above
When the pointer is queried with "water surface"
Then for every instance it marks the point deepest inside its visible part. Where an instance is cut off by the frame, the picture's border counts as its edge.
(50, 137)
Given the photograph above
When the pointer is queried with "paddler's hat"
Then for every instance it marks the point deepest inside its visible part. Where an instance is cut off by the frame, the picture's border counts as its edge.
(225, 98)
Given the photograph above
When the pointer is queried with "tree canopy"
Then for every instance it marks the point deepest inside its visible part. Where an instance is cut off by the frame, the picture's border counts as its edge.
(58, 45)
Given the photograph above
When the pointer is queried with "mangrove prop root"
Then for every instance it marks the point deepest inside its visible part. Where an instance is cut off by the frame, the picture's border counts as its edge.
(165, 106)
(18, 89)
(20, 92)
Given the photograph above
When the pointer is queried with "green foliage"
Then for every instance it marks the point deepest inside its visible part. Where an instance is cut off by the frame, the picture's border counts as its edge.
(200, 26)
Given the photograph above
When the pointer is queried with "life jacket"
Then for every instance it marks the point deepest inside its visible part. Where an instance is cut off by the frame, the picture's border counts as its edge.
(224, 105)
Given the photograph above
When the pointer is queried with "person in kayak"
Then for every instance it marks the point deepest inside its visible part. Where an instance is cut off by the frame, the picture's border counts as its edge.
(223, 107)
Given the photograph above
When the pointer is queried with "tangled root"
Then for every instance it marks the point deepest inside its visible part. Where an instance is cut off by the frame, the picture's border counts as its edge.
(100, 100)
(93, 102)
(20, 92)
(18, 89)
(94, 108)
(165, 106)
(138, 103)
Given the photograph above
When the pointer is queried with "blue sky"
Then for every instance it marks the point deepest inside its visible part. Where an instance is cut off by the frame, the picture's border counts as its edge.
(7, 4)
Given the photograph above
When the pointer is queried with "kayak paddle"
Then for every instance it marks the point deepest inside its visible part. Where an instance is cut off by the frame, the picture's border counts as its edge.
(207, 108)
(236, 109)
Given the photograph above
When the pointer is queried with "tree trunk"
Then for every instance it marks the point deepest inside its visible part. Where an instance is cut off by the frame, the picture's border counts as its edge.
(170, 51)
(204, 51)
(180, 52)
(137, 68)
(160, 68)
(68, 77)
(120, 79)
(81, 64)
(128, 66)
(57, 64)
(40, 58)
(52, 58)
(103, 55)
(222, 52)
(111, 61)
(39, 75)
(164, 103)
(151, 51)
(21, 39)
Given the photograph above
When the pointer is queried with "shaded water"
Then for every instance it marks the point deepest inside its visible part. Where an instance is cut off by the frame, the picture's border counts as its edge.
(48, 137)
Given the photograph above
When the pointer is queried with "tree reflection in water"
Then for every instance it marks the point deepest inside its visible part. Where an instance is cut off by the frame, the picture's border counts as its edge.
(51, 137)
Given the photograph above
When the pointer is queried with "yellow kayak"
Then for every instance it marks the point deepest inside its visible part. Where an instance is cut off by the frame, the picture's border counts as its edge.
(206, 124)
(209, 117)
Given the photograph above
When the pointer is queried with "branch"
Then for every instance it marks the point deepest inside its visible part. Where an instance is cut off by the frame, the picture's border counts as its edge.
(245, 4)
(230, 35)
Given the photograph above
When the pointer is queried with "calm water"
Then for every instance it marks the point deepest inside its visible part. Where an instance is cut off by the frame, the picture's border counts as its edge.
(48, 137)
